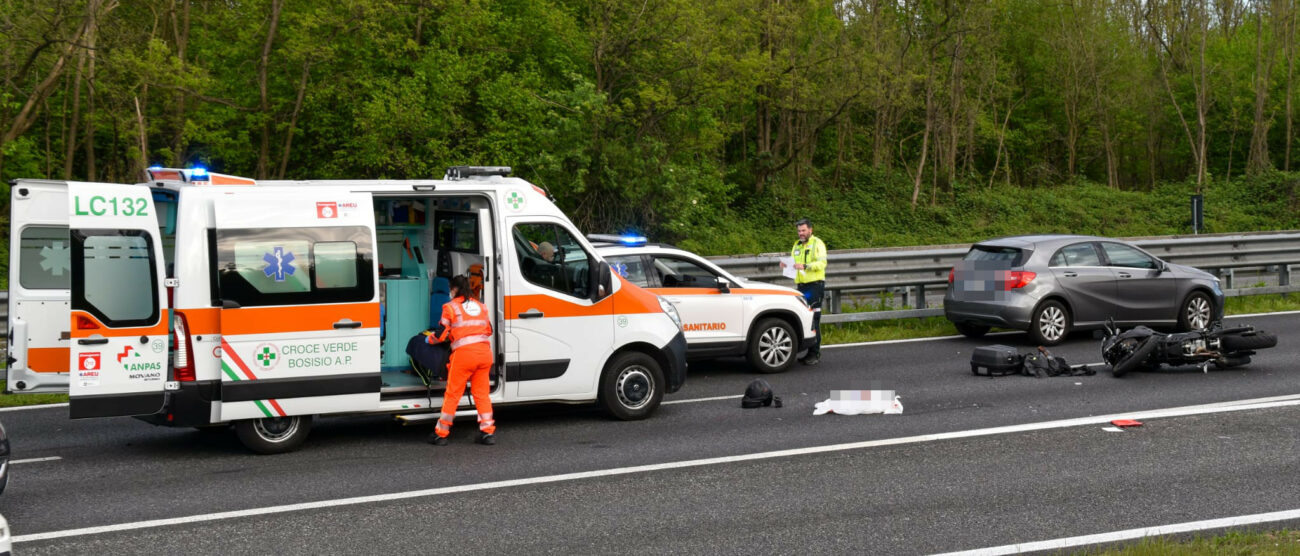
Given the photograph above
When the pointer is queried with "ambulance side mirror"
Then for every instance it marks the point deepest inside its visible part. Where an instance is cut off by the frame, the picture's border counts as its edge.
(604, 282)
(724, 285)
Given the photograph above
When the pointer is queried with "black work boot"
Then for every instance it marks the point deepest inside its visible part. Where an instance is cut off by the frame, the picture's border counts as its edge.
(811, 359)
(437, 440)
(487, 439)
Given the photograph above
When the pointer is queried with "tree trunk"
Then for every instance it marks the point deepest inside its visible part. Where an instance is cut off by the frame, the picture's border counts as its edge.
(70, 142)
(293, 120)
(1259, 161)
(91, 31)
(181, 32)
(264, 102)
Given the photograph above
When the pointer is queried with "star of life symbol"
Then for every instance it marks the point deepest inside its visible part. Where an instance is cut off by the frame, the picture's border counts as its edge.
(621, 269)
(278, 264)
(515, 200)
(55, 258)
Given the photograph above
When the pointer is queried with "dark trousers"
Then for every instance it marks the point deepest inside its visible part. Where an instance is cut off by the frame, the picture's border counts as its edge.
(813, 292)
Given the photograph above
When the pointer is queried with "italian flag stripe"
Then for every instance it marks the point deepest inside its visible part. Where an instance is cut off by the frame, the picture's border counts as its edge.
(230, 355)
(265, 411)
(230, 352)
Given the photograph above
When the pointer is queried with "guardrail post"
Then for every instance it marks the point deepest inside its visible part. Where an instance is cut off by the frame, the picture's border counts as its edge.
(1228, 274)
(1284, 275)
(920, 296)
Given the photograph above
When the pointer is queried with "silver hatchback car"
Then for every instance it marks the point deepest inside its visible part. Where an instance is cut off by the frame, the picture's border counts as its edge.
(1050, 285)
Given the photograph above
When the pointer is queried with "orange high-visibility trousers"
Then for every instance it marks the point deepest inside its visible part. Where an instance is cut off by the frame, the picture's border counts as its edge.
(471, 363)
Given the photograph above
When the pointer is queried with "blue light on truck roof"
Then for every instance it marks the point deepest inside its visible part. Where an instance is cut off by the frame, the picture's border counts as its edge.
(199, 171)
(633, 241)
(155, 167)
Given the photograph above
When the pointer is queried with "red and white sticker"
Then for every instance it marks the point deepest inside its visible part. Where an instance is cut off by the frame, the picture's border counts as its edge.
(88, 361)
(327, 210)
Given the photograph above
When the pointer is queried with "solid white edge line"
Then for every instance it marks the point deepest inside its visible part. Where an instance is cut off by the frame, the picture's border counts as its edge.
(34, 460)
(1128, 534)
(37, 406)
(1064, 423)
(693, 400)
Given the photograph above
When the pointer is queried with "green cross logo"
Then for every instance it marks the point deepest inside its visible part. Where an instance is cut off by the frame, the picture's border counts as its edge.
(266, 357)
(515, 200)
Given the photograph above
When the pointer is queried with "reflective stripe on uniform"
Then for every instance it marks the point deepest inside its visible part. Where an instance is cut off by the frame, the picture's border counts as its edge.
(470, 340)
(475, 322)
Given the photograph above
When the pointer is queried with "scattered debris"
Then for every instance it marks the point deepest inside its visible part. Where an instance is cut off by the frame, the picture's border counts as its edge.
(1125, 423)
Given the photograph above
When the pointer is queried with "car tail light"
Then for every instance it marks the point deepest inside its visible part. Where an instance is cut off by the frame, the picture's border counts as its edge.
(182, 358)
(951, 271)
(1017, 279)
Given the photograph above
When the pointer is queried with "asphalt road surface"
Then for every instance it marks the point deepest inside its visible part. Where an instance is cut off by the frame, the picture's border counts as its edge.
(971, 463)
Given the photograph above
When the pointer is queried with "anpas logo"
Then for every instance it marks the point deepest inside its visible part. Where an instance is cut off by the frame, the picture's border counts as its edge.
(267, 356)
(327, 210)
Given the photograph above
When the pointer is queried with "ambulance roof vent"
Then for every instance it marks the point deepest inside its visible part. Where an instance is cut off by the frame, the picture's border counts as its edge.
(462, 172)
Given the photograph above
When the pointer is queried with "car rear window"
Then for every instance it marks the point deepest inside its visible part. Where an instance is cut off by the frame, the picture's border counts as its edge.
(1010, 256)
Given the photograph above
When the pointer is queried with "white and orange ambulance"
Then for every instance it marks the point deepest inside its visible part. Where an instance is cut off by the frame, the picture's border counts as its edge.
(722, 314)
(199, 299)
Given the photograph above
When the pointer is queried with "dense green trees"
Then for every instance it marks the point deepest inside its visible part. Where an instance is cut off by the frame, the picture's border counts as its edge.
(675, 117)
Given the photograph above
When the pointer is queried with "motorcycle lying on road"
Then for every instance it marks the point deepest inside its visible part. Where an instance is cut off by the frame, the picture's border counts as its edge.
(1142, 347)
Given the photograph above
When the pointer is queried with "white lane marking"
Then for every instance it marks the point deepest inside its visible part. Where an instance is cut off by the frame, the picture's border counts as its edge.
(34, 460)
(38, 406)
(958, 336)
(693, 400)
(1115, 536)
(614, 472)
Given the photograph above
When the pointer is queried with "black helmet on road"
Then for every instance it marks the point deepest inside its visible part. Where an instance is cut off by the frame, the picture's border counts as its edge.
(758, 394)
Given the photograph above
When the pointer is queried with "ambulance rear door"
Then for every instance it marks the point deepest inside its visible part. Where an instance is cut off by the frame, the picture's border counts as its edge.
(296, 282)
(119, 319)
(39, 273)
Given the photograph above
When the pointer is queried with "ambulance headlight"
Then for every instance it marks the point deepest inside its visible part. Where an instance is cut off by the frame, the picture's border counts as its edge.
(671, 311)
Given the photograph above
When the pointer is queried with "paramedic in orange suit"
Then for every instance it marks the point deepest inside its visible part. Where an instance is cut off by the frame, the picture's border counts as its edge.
(467, 324)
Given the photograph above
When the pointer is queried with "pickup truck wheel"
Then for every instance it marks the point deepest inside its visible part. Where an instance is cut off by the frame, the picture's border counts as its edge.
(275, 435)
(631, 386)
(771, 346)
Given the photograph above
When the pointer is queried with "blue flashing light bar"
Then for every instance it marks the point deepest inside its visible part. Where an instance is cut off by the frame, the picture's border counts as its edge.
(632, 241)
(199, 171)
(156, 167)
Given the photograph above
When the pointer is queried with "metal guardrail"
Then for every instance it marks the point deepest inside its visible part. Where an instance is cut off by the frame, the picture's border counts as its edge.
(910, 271)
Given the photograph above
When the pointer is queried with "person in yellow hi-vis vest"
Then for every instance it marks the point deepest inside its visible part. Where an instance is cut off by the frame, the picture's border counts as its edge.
(809, 254)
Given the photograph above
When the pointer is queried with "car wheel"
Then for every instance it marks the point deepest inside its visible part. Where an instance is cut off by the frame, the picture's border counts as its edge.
(1195, 313)
(273, 435)
(1050, 325)
(631, 386)
(971, 330)
(771, 346)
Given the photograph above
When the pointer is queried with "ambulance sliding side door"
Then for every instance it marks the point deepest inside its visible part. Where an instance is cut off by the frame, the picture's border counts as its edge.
(118, 355)
(296, 281)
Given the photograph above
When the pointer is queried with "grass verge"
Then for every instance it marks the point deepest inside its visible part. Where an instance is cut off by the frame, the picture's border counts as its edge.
(1264, 543)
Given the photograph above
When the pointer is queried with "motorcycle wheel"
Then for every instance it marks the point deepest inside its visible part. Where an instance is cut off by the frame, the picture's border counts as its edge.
(1134, 358)
(1248, 341)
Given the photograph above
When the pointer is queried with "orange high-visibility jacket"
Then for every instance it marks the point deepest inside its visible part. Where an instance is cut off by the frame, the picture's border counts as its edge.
(464, 322)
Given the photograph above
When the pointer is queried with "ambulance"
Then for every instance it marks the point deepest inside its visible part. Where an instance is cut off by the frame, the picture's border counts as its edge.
(199, 299)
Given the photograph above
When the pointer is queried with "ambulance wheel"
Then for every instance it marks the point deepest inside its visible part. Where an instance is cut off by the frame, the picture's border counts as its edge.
(274, 435)
(631, 386)
(771, 346)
